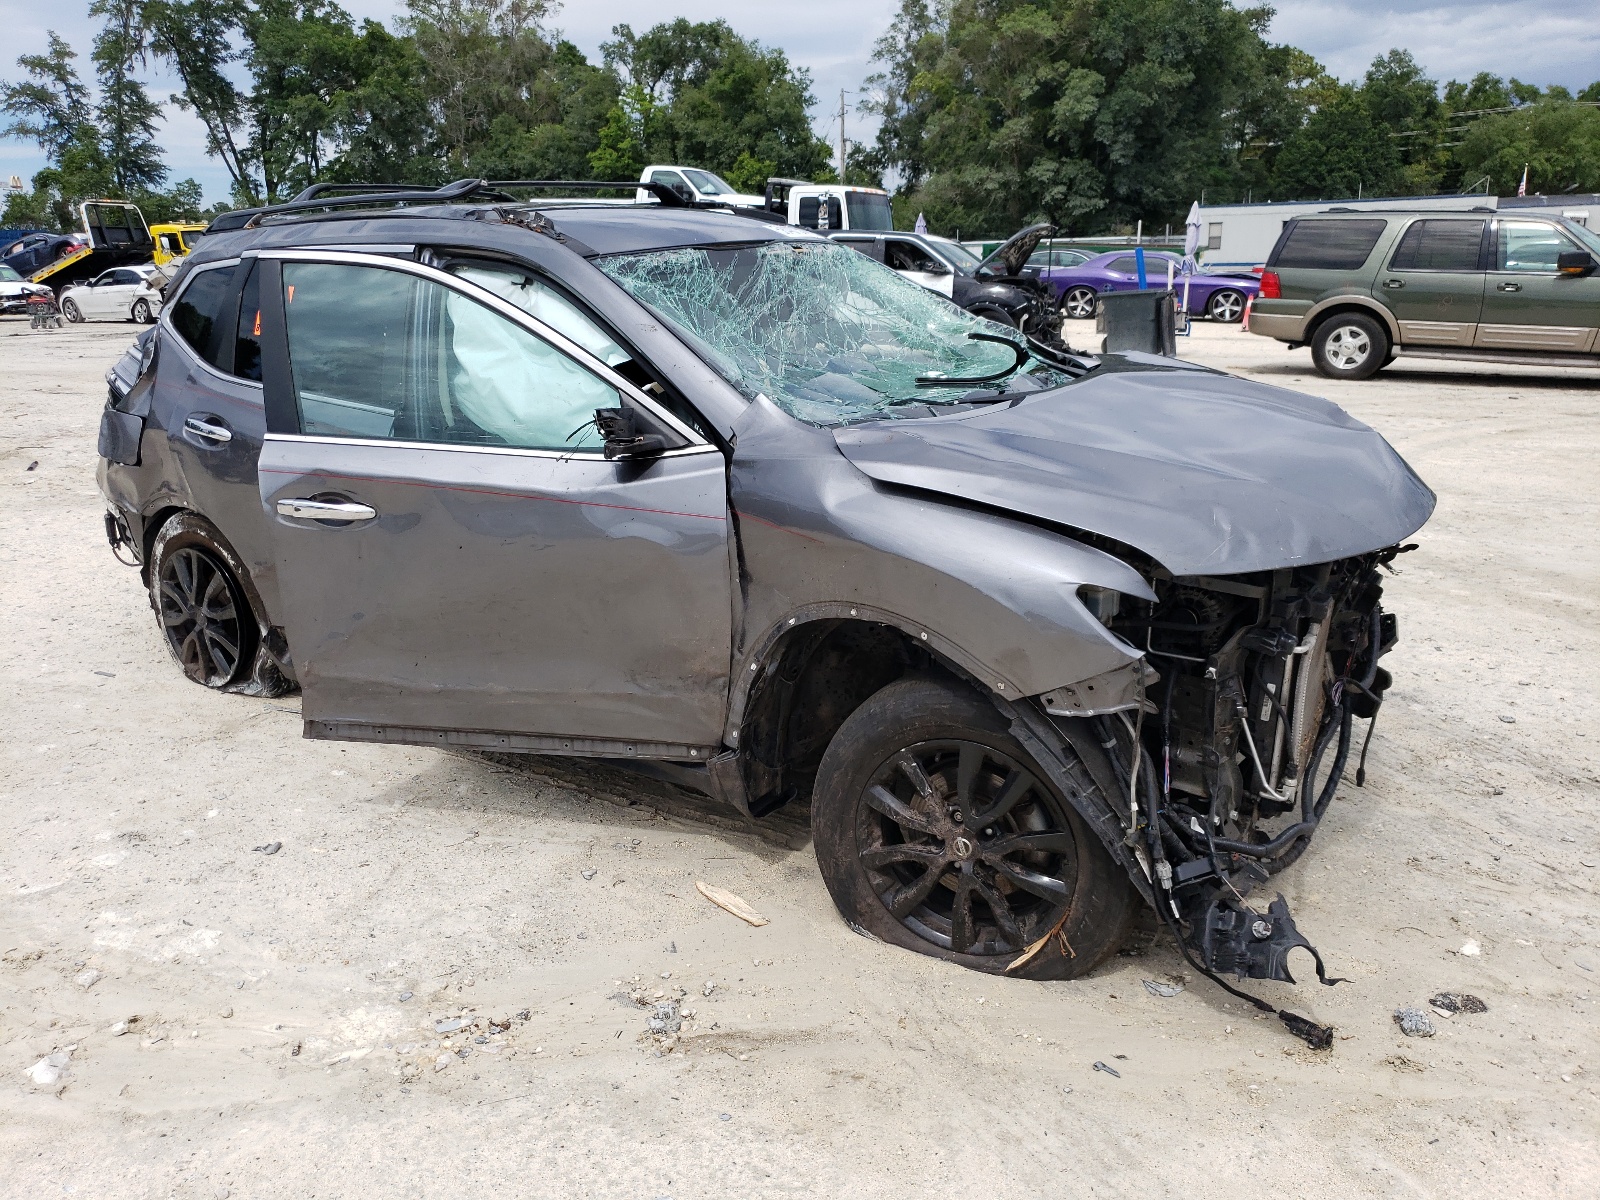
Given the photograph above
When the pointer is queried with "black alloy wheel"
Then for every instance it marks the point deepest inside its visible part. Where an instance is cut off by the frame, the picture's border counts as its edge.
(203, 616)
(936, 832)
(1078, 303)
(965, 847)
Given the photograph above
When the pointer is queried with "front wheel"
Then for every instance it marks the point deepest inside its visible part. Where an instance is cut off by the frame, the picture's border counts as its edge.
(142, 313)
(1350, 346)
(936, 832)
(71, 311)
(1226, 305)
(1078, 303)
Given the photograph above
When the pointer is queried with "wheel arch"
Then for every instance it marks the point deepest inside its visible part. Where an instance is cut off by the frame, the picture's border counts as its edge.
(1336, 306)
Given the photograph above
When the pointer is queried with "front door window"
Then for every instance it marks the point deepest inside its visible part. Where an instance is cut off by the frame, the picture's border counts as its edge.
(379, 355)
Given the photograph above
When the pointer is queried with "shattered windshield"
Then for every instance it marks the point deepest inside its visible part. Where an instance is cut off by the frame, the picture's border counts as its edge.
(826, 333)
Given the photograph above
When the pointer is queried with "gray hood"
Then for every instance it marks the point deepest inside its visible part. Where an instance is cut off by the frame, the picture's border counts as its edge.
(1206, 473)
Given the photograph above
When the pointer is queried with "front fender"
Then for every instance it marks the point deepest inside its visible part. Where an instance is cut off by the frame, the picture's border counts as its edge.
(818, 540)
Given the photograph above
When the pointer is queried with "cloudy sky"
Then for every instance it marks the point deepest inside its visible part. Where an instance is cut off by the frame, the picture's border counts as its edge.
(1541, 41)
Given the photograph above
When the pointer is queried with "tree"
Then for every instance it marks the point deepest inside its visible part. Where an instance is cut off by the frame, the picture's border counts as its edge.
(710, 97)
(51, 107)
(1403, 100)
(1087, 113)
(1340, 153)
(127, 115)
(1557, 140)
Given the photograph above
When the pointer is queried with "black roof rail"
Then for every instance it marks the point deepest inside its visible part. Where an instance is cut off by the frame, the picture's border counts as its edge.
(323, 189)
(332, 195)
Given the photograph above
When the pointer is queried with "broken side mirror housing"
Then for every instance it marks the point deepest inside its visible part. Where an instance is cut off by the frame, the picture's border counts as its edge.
(623, 438)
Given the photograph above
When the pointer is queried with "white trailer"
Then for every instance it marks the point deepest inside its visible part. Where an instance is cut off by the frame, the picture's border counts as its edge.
(1240, 236)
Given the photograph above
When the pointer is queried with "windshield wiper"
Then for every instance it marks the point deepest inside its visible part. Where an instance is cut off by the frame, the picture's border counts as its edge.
(946, 381)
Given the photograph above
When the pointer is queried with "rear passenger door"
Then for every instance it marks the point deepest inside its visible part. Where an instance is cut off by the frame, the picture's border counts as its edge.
(1433, 283)
(208, 399)
(459, 562)
(1527, 303)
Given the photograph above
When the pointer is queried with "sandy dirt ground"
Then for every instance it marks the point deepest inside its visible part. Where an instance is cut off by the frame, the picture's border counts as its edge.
(281, 1010)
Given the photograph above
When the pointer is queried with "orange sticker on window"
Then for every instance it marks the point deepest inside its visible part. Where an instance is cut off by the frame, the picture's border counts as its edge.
(290, 299)
(257, 331)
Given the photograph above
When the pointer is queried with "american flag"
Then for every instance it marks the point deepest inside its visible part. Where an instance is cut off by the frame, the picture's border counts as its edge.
(1522, 188)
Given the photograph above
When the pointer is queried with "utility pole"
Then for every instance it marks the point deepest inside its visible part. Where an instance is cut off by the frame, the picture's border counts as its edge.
(841, 135)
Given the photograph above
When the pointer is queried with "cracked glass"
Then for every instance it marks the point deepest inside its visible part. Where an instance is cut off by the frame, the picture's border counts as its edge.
(827, 334)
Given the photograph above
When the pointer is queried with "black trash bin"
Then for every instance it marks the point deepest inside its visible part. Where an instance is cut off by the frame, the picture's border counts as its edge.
(1144, 321)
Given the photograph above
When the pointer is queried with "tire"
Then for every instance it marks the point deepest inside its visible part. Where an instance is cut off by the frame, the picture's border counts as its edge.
(70, 310)
(142, 313)
(882, 837)
(200, 604)
(1350, 346)
(1227, 306)
(1078, 303)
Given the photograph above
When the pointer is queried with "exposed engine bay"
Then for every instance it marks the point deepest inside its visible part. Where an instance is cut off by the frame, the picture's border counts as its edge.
(1237, 744)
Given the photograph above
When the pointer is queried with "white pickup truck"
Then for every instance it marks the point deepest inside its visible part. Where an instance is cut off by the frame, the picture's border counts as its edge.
(696, 186)
(829, 205)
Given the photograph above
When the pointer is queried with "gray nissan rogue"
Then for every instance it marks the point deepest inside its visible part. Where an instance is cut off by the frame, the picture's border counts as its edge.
(1037, 635)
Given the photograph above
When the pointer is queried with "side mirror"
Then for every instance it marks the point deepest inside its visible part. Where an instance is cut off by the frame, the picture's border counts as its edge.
(1575, 262)
(620, 429)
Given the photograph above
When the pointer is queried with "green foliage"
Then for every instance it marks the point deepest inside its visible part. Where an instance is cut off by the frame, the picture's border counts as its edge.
(719, 101)
(1342, 151)
(50, 106)
(1087, 113)
(1558, 141)
(127, 116)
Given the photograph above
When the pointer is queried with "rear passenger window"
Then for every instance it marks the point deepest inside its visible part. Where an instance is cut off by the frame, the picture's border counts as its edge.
(205, 314)
(1328, 245)
(384, 354)
(247, 343)
(1436, 245)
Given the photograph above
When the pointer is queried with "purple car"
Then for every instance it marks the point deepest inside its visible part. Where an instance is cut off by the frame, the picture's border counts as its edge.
(1220, 297)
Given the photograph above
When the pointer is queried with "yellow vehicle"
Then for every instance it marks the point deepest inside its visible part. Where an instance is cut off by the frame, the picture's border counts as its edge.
(173, 241)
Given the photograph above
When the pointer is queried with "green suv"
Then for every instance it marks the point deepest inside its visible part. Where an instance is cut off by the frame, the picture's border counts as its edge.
(1361, 288)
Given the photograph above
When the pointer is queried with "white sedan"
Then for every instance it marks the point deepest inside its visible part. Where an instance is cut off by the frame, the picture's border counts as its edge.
(120, 294)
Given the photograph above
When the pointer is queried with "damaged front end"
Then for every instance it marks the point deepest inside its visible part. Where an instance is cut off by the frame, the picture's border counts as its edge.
(1230, 739)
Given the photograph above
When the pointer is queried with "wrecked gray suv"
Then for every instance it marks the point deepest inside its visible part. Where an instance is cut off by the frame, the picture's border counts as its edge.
(1039, 636)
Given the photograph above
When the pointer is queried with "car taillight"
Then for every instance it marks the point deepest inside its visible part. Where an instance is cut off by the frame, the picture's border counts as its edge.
(1271, 286)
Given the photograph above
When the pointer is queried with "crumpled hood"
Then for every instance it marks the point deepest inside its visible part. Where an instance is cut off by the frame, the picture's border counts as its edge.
(1207, 473)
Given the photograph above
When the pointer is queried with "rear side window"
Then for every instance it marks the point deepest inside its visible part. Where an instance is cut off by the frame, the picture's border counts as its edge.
(205, 315)
(1436, 245)
(247, 343)
(1328, 245)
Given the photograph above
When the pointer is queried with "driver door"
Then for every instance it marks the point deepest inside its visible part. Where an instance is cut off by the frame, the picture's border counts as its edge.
(459, 562)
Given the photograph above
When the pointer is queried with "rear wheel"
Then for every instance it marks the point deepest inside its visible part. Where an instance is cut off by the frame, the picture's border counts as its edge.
(1226, 305)
(70, 310)
(142, 313)
(936, 832)
(200, 603)
(1078, 303)
(1350, 346)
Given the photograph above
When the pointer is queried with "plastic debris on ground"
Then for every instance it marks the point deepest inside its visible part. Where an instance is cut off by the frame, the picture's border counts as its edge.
(1414, 1022)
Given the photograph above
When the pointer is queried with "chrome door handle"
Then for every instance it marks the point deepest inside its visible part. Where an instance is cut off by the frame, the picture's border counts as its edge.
(1508, 287)
(326, 510)
(1394, 283)
(212, 430)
